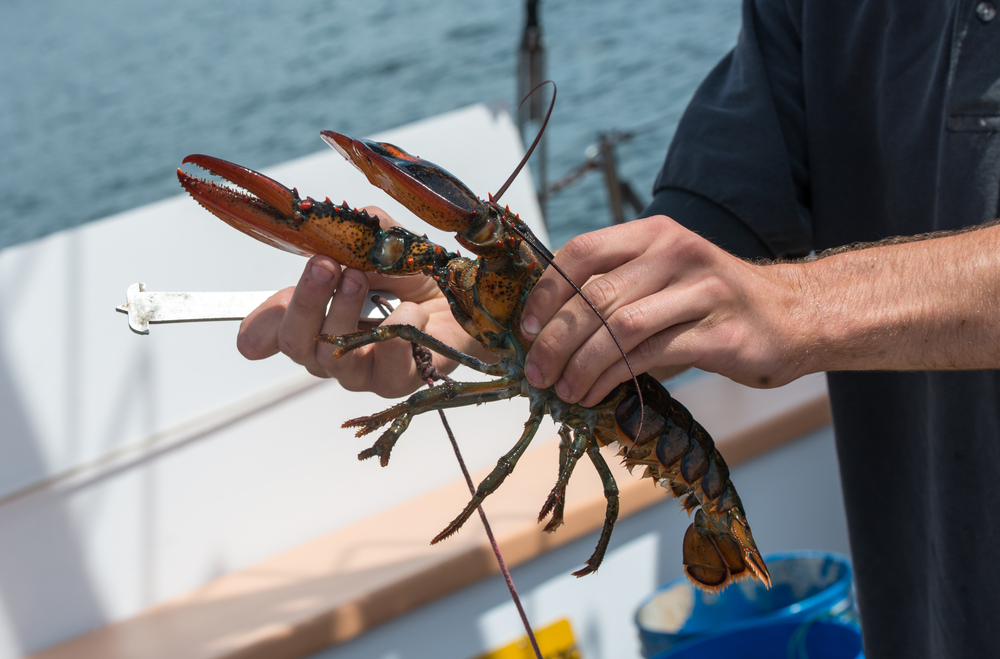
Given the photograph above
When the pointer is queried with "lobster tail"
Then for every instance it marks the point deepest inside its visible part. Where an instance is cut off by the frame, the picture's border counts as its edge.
(716, 555)
(718, 546)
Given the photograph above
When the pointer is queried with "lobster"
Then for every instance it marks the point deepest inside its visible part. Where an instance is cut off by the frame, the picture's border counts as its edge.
(486, 296)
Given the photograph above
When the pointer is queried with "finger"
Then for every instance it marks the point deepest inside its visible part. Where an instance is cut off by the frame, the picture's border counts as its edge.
(664, 373)
(580, 259)
(394, 367)
(342, 318)
(258, 334)
(387, 368)
(618, 294)
(639, 329)
(646, 357)
(347, 304)
(307, 310)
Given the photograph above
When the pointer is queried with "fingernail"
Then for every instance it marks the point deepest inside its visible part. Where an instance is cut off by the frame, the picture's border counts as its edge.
(532, 373)
(349, 286)
(562, 388)
(320, 274)
(529, 325)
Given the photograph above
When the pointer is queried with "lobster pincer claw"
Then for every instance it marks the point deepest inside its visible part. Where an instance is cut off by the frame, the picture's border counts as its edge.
(433, 194)
(268, 213)
(276, 215)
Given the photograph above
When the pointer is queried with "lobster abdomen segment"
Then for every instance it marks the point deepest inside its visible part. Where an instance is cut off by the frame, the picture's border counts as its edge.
(677, 451)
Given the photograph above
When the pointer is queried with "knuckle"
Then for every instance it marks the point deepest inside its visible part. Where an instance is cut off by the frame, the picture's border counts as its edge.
(660, 222)
(582, 247)
(693, 249)
(647, 351)
(547, 286)
(292, 348)
(603, 292)
(326, 361)
(544, 350)
(714, 290)
(630, 321)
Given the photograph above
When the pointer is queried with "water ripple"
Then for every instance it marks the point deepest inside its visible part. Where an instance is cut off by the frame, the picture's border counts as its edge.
(101, 100)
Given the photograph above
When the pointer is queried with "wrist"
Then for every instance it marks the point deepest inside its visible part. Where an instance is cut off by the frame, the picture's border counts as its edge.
(837, 321)
(805, 334)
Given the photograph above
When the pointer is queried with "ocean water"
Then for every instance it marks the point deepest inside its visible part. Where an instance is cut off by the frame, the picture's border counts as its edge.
(100, 101)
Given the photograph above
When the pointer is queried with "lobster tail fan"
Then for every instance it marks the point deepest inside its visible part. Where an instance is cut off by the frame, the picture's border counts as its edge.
(713, 559)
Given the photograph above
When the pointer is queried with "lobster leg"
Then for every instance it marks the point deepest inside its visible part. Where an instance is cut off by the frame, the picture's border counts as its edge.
(346, 342)
(557, 504)
(505, 465)
(440, 397)
(610, 516)
(383, 445)
(568, 458)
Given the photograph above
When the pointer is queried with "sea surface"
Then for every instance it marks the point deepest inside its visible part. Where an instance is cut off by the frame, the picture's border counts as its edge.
(100, 100)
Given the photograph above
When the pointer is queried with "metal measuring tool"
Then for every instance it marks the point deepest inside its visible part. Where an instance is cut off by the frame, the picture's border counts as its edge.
(148, 307)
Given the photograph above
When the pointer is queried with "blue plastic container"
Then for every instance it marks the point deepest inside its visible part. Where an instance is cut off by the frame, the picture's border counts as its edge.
(805, 586)
(786, 640)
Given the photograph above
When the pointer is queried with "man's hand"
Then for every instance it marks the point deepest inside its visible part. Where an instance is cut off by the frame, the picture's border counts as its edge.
(672, 298)
(289, 321)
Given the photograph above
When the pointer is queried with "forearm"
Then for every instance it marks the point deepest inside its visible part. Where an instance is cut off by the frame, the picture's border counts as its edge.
(925, 305)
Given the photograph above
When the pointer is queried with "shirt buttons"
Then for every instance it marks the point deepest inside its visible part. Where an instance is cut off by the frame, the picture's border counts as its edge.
(986, 11)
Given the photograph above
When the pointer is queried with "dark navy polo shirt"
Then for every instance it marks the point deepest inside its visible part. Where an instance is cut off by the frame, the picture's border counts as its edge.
(838, 122)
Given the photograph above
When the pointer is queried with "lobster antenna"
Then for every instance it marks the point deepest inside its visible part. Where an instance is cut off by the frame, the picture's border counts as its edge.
(548, 258)
(531, 149)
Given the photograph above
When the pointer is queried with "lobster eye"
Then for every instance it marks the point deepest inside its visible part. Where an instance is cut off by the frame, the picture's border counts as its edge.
(389, 250)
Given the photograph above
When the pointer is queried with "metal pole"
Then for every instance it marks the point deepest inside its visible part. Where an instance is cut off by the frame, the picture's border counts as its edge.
(530, 74)
(611, 178)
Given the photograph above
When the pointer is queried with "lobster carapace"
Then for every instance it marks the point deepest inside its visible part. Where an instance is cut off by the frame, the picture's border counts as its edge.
(486, 295)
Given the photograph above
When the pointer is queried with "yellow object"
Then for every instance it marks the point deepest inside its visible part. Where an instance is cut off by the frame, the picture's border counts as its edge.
(555, 642)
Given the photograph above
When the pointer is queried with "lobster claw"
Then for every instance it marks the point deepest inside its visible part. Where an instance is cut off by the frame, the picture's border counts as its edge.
(268, 213)
(430, 192)
(276, 215)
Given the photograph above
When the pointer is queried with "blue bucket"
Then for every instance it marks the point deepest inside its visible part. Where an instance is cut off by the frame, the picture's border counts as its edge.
(805, 585)
(787, 640)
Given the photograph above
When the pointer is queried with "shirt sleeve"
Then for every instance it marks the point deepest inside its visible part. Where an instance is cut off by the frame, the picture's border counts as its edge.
(710, 221)
(741, 144)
